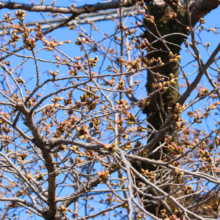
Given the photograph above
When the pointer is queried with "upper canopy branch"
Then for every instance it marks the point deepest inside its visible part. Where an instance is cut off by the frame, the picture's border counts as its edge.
(67, 10)
(202, 7)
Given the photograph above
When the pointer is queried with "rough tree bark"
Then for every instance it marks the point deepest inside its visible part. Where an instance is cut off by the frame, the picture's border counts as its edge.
(171, 31)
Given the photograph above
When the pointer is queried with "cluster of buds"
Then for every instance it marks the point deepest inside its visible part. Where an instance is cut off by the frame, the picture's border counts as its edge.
(121, 85)
(110, 82)
(29, 43)
(56, 100)
(63, 209)
(39, 177)
(70, 122)
(7, 17)
(161, 84)
(20, 80)
(189, 144)
(173, 16)
(71, 27)
(82, 154)
(47, 128)
(83, 132)
(197, 117)
(60, 129)
(141, 184)
(206, 156)
(149, 18)
(168, 139)
(91, 23)
(94, 125)
(29, 176)
(144, 172)
(130, 32)
(110, 198)
(176, 163)
(75, 149)
(188, 189)
(6, 129)
(5, 114)
(91, 104)
(69, 101)
(127, 146)
(7, 63)
(172, 217)
(103, 176)
(54, 74)
(164, 159)
(62, 147)
(20, 15)
(122, 104)
(208, 168)
(139, 216)
(125, 206)
(117, 38)
(202, 21)
(144, 102)
(147, 62)
(53, 43)
(217, 141)
(143, 153)
(178, 109)
(49, 110)
(177, 172)
(90, 154)
(74, 71)
(187, 131)
(80, 41)
(12, 205)
(87, 95)
(78, 160)
(20, 157)
(188, 31)
(159, 61)
(92, 61)
(145, 45)
(172, 147)
(163, 214)
(213, 207)
(78, 104)
(32, 102)
(133, 65)
(111, 148)
(141, 129)
(115, 70)
(15, 38)
(174, 2)
(202, 92)
(180, 124)
(65, 61)
(150, 175)
(109, 68)
(130, 118)
(119, 122)
(39, 33)
(174, 57)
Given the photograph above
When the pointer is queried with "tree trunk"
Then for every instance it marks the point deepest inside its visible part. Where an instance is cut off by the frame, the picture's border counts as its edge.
(161, 102)
(172, 32)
